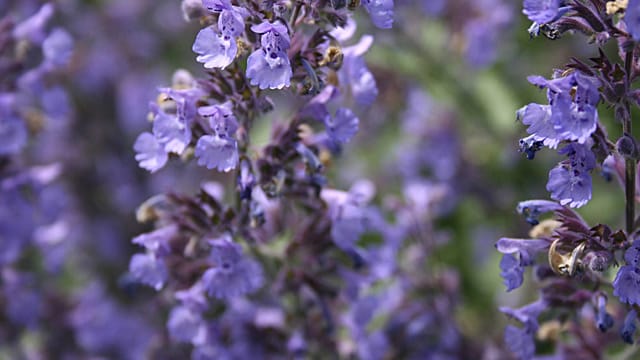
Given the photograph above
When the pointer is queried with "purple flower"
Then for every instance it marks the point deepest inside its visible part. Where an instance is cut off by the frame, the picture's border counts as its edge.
(570, 181)
(149, 270)
(528, 314)
(33, 28)
(532, 209)
(157, 241)
(538, 117)
(572, 113)
(355, 75)
(269, 66)
(172, 133)
(632, 255)
(186, 325)
(58, 48)
(214, 51)
(381, 12)
(542, 11)
(150, 154)
(13, 133)
(526, 248)
(603, 319)
(520, 341)
(629, 326)
(342, 127)
(632, 19)
(626, 285)
(234, 274)
(511, 271)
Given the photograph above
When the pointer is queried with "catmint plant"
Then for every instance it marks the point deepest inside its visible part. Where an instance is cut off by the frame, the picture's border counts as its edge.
(579, 266)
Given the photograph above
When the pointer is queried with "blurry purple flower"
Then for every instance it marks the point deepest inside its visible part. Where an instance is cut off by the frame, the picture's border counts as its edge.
(24, 305)
(234, 274)
(214, 51)
(629, 327)
(482, 41)
(269, 66)
(511, 271)
(528, 314)
(381, 12)
(157, 241)
(150, 154)
(33, 28)
(193, 297)
(603, 319)
(355, 75)
(343, 126)
(626, 285)
(632, 19)
(149, 270)
(13, 133)
(103, 327)
(520, 342)
(186, 325)
(58, 48)
(632, 255)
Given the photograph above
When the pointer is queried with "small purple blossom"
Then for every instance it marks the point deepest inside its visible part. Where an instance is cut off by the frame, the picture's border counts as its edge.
(632, 19)
(570, 181)
(58, 48)
(342, 127)
(185, 324)
(233, 273)
(173, 134)
(150, 154)
(214, 51)
(354, 74)
(149, 270)
(269, 66)
(13, 133)
(381, 12)
(626, 285)
(629, 327)
(542, 11)
(511, 271)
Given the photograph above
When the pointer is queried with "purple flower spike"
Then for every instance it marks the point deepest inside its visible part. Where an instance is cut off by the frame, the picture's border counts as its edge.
(149, 152)
(234, 274)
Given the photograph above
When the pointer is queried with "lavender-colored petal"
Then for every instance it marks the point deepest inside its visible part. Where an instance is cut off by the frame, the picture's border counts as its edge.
(520, 341)
(538, 117)
(150, 154)
(511, 272)
(632, 19)
(541, 11)
(186, 325)
(234, 274)
(230, 23)
(626, 285)
(214, 51)
(13, 135)
(527, 248)
(629, 327)
(269, 70)
(381, 12)
(343, 126)
(58, 48)
(33, 28)
(157, 241)
(173, 134)
(213, 151)
(569, 186)
(149, 270)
